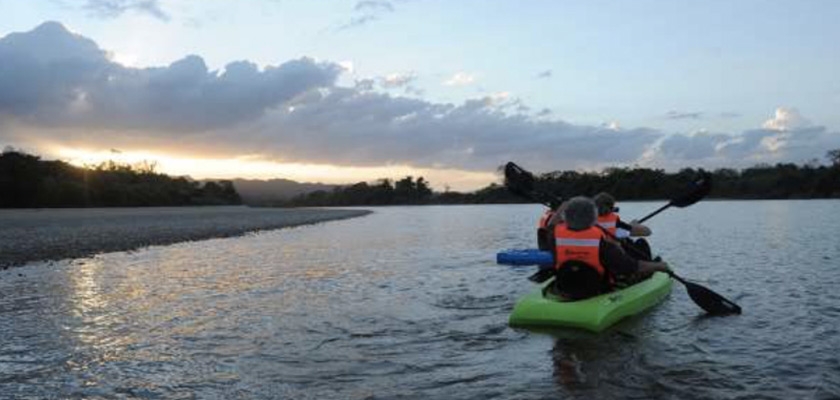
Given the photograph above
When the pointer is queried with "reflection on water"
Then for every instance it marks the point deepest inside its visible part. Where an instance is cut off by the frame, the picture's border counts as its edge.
(408, 302)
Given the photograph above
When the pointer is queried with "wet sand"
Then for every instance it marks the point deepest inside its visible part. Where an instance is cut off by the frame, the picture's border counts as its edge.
(54, 234)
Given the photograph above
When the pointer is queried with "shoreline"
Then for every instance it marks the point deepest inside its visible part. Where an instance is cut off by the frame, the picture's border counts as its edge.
(30, 235)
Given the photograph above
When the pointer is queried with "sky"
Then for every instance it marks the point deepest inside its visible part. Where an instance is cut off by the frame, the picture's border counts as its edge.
(345, 91)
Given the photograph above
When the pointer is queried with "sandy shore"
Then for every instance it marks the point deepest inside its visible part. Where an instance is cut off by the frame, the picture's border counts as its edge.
(53, 234)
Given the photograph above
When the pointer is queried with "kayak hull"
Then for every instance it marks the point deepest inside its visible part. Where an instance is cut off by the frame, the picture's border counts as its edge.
(594, 314)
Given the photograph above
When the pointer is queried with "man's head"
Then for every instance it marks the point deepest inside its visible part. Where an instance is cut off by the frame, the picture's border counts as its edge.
(605, 203)
(580, 213)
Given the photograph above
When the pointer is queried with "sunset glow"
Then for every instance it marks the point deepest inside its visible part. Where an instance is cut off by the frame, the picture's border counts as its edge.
(251, 167)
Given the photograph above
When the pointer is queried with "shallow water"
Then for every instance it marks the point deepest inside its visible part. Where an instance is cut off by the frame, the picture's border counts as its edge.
(408, 303)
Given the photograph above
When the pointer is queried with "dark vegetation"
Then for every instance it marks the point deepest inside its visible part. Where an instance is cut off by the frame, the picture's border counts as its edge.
(383, 192)
(27, 181)
(780, 181)
(258, 191)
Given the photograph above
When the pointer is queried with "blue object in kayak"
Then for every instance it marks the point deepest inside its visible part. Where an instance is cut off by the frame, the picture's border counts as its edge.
(524, 257)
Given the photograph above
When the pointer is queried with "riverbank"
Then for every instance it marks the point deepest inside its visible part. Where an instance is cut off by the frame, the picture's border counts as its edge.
(54, 234)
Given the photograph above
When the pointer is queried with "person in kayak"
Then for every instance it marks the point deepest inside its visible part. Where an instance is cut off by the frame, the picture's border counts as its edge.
(608, 219)
(545, 226)
(587, 260)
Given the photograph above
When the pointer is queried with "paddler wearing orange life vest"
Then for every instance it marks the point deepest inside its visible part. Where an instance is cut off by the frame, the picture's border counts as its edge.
(586, 261)
(608, 219)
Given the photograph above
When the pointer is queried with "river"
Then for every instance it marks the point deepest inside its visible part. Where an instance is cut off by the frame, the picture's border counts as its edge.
(408, 303)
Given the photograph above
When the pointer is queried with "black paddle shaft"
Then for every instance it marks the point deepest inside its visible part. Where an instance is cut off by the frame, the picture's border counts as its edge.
(651, 215)
(698, 189)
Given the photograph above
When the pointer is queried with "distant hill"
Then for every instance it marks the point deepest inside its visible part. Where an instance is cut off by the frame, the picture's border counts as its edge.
(254, 191)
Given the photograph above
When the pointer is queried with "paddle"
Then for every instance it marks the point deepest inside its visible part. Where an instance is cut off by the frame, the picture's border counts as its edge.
(521, 182)
(698, 189)
(708, 300)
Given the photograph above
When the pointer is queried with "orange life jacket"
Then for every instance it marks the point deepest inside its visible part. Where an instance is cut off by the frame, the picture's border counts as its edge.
(609, 222)
(579, 246)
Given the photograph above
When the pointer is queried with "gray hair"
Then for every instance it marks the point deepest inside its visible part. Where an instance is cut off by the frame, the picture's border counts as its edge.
(580, 213)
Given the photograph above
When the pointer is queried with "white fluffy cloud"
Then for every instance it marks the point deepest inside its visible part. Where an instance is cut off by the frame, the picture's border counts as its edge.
(786, 119)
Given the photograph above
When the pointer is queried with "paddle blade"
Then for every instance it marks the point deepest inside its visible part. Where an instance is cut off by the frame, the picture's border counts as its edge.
(518, 179)
(523, 183)
(710, 301)
(697, 190)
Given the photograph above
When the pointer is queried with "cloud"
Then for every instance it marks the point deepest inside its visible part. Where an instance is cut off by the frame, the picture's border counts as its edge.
(115, 8)
(61, 88)
(786, 137)
(397, 80)
(374, 6)
(786, 119)
(675, 115)
(698, 146)
(347, 66)
(50, 76)
(545, 74)
(370, 128)
(366, 12)
(460, 79)
(612, 125)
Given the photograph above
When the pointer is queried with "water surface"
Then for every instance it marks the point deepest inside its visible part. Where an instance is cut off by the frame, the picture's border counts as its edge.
(408, 303)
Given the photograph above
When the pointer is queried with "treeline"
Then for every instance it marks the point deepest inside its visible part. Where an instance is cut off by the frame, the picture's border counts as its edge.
(405, 191)
(780, 181)
(383, 192)
(27, 181)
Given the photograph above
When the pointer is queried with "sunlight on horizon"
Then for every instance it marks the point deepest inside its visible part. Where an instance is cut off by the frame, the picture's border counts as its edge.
(253, 167)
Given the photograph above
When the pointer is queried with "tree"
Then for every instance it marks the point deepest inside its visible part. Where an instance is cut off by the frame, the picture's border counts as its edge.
(28, 181)
(834, 157)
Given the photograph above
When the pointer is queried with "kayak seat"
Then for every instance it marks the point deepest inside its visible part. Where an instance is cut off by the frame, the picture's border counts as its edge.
(576, 280)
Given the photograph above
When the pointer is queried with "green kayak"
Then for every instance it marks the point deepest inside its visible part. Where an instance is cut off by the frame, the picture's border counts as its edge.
(594, 314)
